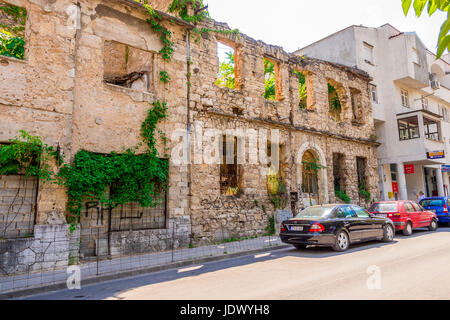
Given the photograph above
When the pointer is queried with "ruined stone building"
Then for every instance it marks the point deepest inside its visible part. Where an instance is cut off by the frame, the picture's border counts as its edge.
(91, 71)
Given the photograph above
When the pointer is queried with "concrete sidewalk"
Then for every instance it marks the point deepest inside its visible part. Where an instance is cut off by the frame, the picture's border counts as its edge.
(91, 272)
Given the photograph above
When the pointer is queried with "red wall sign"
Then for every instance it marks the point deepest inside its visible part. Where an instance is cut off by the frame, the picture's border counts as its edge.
(409, 169)
(394, 187)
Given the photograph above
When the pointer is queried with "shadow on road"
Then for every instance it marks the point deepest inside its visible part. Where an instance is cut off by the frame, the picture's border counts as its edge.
(111, 289)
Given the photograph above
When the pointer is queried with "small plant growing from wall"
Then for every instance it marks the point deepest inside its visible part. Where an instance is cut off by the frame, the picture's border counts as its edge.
(335, 103)
(277, 190)
(270, 226)
(342, 195)
(363, 191)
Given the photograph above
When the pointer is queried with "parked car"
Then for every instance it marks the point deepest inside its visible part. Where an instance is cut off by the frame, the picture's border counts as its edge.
(438, 205)
(406, 215)
(336, 225)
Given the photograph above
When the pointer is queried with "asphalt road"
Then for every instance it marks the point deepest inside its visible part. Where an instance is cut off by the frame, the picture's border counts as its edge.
(416, 267)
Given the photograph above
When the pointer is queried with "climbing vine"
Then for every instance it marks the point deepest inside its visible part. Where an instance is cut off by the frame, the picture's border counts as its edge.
(118, 178)
(164, 77)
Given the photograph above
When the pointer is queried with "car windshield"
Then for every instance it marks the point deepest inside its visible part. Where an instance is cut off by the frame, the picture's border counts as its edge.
(432, 203)
(383, 207)
(315, 212)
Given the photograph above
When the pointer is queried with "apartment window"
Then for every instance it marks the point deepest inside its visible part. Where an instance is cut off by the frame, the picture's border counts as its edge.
(373, 92)
(415, 56)
(394, 172)
(424, 103)
(405, 98)
(272, 79)
(127, 66)
(431, 128)
(12, 30)
(368, 53)
(227, 76)
(444, 112)
(409, 128)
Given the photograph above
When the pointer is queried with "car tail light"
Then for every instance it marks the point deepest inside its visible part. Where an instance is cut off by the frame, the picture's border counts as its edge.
(395, 214)
(283, 227)
(316, 227)
(445, 209)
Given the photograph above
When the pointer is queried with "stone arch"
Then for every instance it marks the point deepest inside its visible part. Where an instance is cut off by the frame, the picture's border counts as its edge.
(322, 175)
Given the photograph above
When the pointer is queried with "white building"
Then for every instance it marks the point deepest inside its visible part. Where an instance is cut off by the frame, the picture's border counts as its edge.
(411, 102)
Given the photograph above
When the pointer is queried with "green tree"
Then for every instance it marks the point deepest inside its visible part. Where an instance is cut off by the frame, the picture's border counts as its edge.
(269, 72)
(227, 77)
(302, 89)
(432, 7)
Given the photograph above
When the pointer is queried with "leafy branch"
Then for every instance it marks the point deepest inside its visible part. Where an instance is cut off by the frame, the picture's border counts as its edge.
(432, 7)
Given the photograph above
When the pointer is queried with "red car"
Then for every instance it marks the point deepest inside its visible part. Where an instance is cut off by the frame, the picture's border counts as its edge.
(406, 215)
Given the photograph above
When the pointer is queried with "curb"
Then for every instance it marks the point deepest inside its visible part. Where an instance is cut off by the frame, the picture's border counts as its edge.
(136, 272)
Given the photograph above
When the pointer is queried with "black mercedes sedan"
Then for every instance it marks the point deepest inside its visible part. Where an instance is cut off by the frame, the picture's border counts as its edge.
(336, 226)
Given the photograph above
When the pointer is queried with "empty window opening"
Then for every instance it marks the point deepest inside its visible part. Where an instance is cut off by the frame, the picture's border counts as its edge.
(405, 98)
(272, 78)
(310, 175)
(355, 97)
(409, 128)
(431, 128)
(339, 172)
(334, 103)
(303, 90)
(361, 164)
(361, 168)
(12, 30)
(127, 67)
(230, 171)
(373, 93)
(226, 77)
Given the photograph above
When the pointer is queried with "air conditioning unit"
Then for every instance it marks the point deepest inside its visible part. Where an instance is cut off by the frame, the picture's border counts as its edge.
(435, 84)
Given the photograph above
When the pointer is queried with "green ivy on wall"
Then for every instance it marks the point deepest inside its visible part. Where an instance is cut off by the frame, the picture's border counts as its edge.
(27, 155)
(118, 178)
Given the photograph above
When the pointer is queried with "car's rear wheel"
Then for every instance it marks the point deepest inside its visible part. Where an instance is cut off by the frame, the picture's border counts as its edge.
(448, 224)
(388, 233)
(342, 241)
(408, 229)
(300, 246)
(433, 225)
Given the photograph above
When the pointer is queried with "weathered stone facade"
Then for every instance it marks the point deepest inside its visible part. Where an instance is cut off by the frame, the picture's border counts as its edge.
(59, 92)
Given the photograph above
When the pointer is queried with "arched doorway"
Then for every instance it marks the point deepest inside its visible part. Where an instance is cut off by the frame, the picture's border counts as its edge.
(312, 168)
(310, 177)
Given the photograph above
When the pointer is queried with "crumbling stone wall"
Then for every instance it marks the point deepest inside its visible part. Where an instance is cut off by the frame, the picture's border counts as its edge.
(59, 92)
(310, 129)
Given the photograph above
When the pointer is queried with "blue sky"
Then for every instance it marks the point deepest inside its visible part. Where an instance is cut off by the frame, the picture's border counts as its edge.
(294, 24)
